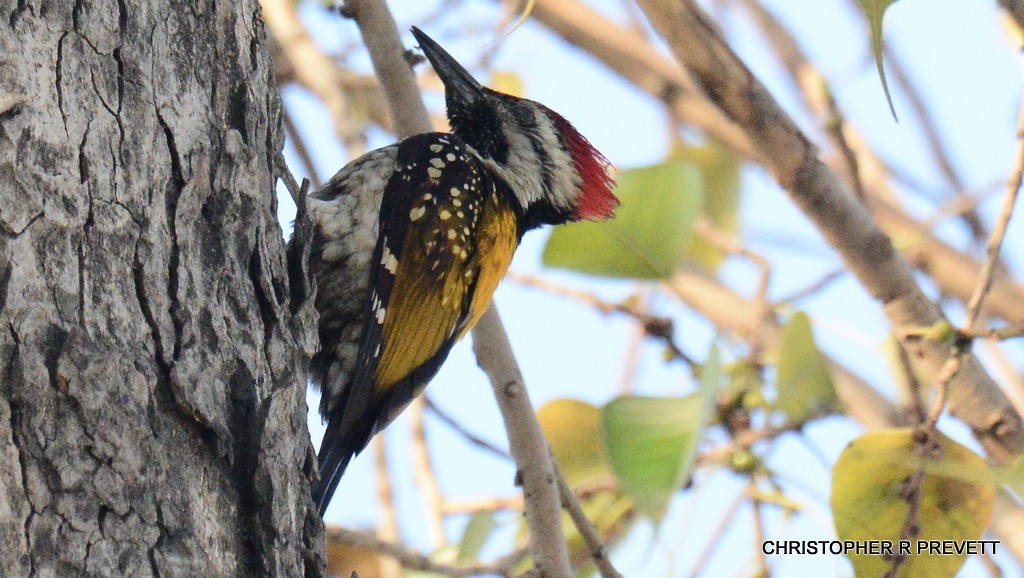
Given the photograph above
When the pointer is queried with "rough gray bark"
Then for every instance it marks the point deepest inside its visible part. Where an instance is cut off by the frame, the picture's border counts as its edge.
(152, 356)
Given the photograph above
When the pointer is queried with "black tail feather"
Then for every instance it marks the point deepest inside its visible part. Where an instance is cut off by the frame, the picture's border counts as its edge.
(335, 453)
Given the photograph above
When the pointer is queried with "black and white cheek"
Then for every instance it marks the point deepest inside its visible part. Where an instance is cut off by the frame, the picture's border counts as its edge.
(539, 168)
(565, 180)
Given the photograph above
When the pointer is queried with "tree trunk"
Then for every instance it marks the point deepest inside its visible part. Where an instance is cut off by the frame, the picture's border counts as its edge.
(152, 356)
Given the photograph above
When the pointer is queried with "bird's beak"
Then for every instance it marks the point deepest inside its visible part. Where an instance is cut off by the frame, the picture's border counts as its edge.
(458, 83)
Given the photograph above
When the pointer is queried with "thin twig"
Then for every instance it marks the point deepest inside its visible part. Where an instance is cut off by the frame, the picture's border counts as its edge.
(660, 328)
(914, 389)
(1012, 376)
(459, 429)
(426, 479)
(313, 68)
(632, 358)
(731, 246)
(714, 540)
(861, 167)
(591, 538)
(387, 529)
(281, 170)
(958, 205)
(731, 313)
(998, 333)
(631, 55)
(910, 491)
(755, 504)
(995, 242)
(299, 144)
(954, 271)
(415, 561)
(990, 565)
(813, 88)
(746, 440)
(462, 507)
(814, 288)
(940, 151)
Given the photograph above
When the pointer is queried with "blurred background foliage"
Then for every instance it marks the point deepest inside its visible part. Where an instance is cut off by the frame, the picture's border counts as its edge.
(707, 372)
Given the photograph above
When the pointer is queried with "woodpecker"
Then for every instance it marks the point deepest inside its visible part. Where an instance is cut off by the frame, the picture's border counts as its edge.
(411, 240)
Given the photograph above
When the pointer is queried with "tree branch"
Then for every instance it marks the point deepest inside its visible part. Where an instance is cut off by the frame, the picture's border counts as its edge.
(387, 529)
(660, 328)
(628, 54)
(952, 270)
(535, 466)
(426, 481)
(383, 41)
(461, 430)
(731, 312)
(844, 222)
(1015, 8)
(313, 69)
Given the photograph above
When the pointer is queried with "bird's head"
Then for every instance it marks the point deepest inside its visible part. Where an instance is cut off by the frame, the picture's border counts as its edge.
(554, 171)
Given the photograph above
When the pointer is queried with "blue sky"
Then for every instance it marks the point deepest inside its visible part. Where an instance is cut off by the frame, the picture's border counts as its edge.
(958, 55)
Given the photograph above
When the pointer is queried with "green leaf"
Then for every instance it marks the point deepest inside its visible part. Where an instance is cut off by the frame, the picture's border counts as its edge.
(573, 428)
(1013, 476)
(720, 175)
(650, 232)
(478, 530)
(869, 484)
(652, 441)
(874, 10)
(803, 382)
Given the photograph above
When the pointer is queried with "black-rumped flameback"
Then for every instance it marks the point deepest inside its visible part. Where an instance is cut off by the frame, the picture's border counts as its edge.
(411, 240)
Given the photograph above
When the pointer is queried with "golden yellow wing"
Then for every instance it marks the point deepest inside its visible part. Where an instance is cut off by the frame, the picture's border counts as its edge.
(447, 234)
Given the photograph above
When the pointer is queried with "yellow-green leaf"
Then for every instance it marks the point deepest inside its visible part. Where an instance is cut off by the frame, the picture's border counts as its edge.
(652, 441)
(650, 232)
(720, 176)
(803, 382)
(874, 10)
(573, 428)
(744, 386)
(478, 530)
(507, 82)
(869, 487)
(1013, 476)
